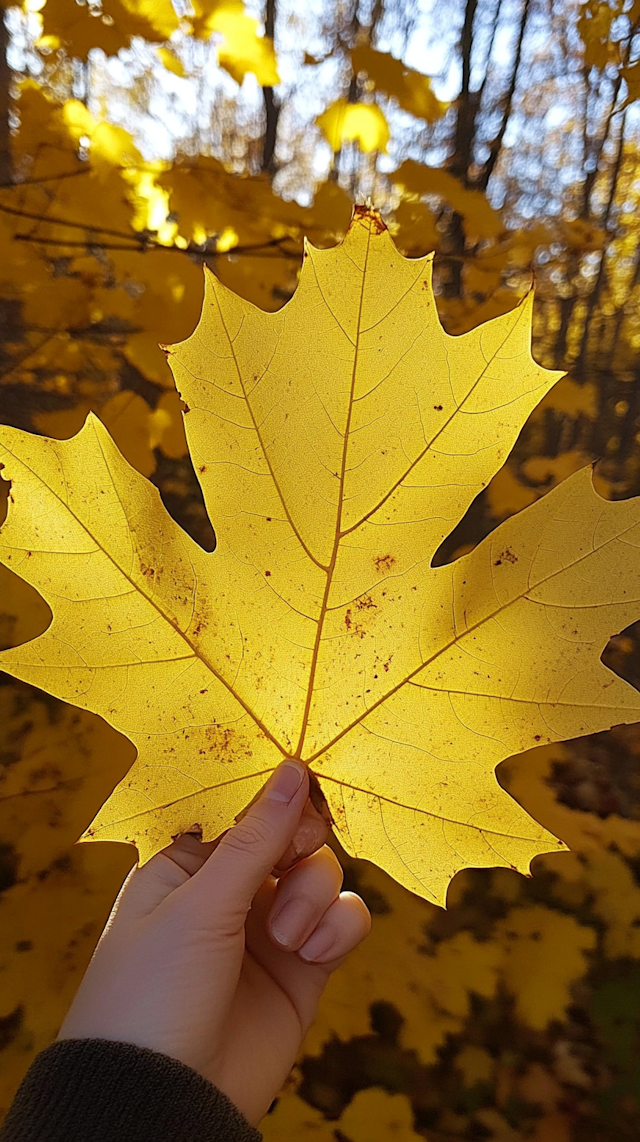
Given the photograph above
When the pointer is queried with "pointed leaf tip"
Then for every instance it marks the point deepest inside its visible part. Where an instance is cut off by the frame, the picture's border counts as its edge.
(369, 217)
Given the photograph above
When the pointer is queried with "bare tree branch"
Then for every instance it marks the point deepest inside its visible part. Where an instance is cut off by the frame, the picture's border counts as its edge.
(496, 144)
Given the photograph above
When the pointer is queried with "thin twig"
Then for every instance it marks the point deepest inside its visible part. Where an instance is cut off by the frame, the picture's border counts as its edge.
(143, 244)
(53, 221)
(138, 248)
(14, 184)
(29, 353)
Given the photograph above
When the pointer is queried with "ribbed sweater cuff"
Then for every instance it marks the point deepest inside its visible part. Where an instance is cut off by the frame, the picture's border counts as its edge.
(95, 1090)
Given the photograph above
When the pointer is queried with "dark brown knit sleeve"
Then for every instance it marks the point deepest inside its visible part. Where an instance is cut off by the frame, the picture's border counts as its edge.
(94, 1090)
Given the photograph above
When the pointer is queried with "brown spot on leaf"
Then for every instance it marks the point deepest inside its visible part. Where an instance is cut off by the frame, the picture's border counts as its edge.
(353, 627)
(268, 573)
(202, 468)
(365, 603)
(383, 563)
(506, 556)
(438, 407)
(225, 743)
(369, 218)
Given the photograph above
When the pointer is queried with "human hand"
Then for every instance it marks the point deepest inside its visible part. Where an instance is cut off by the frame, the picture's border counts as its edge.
(210, 958)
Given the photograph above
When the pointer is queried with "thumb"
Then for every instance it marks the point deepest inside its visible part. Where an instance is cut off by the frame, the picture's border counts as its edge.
(247, 853)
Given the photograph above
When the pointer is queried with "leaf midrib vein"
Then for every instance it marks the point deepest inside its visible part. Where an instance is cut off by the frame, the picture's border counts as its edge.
(337, 535)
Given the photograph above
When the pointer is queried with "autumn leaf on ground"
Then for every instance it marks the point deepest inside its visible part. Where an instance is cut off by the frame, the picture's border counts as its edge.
(337, 443)
(374, 1115)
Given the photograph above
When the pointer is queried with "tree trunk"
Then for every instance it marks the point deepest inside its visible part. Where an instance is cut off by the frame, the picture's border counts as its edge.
(5, 102)
(467, 103)
(271, 106)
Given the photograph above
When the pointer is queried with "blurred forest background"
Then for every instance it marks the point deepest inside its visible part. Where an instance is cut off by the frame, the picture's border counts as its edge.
(141, 139)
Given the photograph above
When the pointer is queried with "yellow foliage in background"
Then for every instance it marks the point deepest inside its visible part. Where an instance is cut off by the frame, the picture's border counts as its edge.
(412, 90)
(372, 1116)
(508, 1015)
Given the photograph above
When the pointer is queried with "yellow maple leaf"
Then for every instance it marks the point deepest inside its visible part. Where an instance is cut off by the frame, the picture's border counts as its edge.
(152, 19)
(293, 1120)
(480, 219)
(337, 443)
(361, 123)
(373, 1115)
(411, 88)
(80, 27)
(616, 900)
(544, 953)
(594, 28)
(242, 49)
(109, 145)
(171, 61)
(414, 227)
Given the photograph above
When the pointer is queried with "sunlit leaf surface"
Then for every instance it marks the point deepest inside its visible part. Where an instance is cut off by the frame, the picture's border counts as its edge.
(337, 443)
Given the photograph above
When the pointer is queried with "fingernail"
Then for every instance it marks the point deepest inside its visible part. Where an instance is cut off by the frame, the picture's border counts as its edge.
(289, 925)
(309, 836)
(318, 947)
(284, 782)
